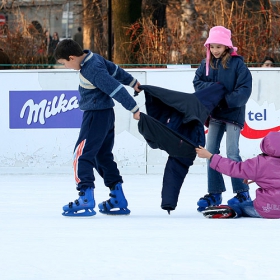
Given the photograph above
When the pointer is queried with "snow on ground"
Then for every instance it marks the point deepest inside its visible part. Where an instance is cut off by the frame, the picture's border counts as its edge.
(37, 242)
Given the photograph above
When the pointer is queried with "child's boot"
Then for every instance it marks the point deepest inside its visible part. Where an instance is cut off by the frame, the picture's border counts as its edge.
(117, 200)
(211, 199)
(239, 198)
(85, 203)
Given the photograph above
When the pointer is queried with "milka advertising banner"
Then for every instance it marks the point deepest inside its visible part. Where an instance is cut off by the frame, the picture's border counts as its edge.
(44, 109)
(59, 109)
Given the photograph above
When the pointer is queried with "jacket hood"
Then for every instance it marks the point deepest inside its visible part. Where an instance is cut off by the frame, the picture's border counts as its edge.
(270, 144)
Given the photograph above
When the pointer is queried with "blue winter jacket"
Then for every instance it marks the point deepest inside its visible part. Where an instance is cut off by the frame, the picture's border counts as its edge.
(100, 81)
(237, 79)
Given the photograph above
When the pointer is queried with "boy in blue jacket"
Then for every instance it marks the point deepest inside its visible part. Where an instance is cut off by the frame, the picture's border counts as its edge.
(100, 82)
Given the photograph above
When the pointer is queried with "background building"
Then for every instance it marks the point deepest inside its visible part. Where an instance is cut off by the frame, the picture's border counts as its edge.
(52, 15)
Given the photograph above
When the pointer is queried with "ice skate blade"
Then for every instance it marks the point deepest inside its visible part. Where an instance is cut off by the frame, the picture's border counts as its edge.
(120, 212)
(219, 212)
(201, 209)
(86, 213)
(217, 216)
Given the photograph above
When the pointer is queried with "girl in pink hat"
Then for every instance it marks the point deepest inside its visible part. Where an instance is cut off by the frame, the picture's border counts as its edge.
(223, 65)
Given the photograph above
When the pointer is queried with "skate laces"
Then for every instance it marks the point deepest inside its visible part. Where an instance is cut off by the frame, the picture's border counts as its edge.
(241, 197)
(81, 193)
(208, 198)
(110, 202)
(115, 198)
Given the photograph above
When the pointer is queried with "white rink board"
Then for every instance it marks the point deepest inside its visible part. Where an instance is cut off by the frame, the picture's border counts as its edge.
(50, 150)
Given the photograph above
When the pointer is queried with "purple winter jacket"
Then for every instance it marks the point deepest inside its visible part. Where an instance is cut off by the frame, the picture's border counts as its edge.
(263, 169)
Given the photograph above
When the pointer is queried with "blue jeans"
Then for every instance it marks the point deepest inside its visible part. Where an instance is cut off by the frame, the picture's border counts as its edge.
(215, 134)
(245, 209)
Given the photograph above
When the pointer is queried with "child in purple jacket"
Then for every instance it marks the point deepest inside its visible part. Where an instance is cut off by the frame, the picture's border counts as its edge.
(263, 170)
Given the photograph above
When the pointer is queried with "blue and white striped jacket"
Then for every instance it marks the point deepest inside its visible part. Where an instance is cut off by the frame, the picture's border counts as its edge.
(100, 81)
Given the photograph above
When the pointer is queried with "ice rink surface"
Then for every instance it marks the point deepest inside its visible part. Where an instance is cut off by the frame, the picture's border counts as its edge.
(37, 242)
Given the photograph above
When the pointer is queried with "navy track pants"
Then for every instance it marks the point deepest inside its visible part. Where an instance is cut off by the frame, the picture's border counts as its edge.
(94, 150)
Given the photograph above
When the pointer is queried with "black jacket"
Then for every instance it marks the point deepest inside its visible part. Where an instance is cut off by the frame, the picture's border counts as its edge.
(175, 120)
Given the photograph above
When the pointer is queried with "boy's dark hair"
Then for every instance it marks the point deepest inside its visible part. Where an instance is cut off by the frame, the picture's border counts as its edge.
(67, 47)
(79, 29)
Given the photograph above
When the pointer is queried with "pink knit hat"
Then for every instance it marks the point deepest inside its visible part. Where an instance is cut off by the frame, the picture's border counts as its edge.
(218, 35)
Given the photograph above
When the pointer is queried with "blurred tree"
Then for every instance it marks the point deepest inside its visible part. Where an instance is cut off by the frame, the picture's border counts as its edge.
(125, 13)
(156, 32)
(93, 29)
(156, 10)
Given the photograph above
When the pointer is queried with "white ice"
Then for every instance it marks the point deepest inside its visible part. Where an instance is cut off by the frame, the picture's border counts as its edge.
(37, 242)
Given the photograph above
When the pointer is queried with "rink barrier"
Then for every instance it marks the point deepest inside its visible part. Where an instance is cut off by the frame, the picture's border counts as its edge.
(40, 120)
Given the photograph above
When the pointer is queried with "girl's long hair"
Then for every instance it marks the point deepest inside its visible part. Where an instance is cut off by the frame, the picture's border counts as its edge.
(225, 58)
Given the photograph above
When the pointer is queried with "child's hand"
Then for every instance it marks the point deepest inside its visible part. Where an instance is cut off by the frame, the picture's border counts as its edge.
(203, 153)
(136, 115)
(248, 182)
(136, 87)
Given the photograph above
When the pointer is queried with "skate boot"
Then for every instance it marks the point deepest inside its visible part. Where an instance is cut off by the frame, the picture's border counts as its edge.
(239, 198)
(211, 199)
(85, 203)
(219, 212)
(117, 200)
